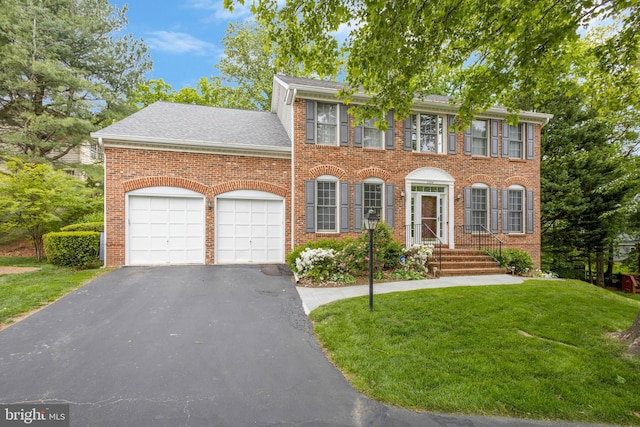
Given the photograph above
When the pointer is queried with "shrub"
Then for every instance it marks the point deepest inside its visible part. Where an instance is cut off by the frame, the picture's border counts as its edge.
(85, 226)
(321, 265)
(93, 217)
(517, 259)
(78, 249)
(416, 259)
(336, 245)
(354, 257)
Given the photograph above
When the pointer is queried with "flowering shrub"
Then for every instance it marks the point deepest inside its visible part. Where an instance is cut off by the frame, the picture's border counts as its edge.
(416, 258)
(322, 266)
(354, 257)
(332, 261)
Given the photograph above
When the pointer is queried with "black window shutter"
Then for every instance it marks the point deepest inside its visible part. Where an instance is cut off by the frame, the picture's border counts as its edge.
(344, 207)
(310, 122)
(494, 210)
(390, 208)
(505, 211)
(310, 206)
(505, 139)
(530, 221)
(530, 139)
(344, 125)
(408, 143)
(358, 206)
(467, 210)
(357, 136)
(494, 137)
(451, 135)
(389, 137)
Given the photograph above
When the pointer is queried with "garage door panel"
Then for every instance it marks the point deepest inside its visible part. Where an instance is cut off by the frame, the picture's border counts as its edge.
(165, 230)
(249, 231)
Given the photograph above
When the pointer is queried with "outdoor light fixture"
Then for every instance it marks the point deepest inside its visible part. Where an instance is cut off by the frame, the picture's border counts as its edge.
(209, 204)
(370, 223)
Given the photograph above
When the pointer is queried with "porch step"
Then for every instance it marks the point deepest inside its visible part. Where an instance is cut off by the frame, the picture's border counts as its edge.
(464, 262)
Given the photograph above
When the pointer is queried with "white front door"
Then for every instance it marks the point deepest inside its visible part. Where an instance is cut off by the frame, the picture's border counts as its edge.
(249, 231)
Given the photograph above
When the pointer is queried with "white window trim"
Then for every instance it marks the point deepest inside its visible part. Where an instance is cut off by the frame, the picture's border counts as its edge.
(440, 137)
(487, 211)
(382, 199)
(336, 181)
(523, 208)
(337, 124)
(382, 136)
(487, 146)
(523, 141)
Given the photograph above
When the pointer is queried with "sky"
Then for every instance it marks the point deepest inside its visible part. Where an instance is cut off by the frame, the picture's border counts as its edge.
(184, 37)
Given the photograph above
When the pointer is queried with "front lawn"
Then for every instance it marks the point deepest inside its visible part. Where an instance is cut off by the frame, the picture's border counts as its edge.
(24, 292)
(536, 350)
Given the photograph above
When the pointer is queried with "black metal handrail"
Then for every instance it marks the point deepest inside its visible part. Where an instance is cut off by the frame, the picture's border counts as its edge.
(478, 237)
(422, 234)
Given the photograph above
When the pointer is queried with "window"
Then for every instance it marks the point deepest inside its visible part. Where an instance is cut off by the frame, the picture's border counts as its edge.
(479, 137)
(515, 211)
(327, 119)
(516, 141)
(373, 198)
(326, 206)
(372, 136)
(479, 209)
(427, 133)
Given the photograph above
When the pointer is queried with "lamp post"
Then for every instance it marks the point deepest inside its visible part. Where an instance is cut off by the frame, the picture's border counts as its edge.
(370, 223)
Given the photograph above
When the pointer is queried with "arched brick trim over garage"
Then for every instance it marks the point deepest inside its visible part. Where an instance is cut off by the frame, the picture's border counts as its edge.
(165, 181)
(317, 171)
(374, 172)
(248, 185)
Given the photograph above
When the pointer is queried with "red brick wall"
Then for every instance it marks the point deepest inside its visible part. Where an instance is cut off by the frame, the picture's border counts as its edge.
(352, 164)
(208, 174)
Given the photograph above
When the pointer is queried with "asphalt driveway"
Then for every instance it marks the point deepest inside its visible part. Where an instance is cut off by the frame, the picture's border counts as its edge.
(189, 346)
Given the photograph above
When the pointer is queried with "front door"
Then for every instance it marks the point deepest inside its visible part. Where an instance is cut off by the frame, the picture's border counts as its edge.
(428, 218)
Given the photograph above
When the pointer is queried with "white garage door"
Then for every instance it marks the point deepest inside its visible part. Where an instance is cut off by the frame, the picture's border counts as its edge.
(165, 230)
(249, 230)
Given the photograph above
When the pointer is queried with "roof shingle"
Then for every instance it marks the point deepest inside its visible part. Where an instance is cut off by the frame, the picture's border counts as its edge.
(186, 123)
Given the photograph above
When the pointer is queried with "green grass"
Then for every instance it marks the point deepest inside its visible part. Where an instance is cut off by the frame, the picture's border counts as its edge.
(536, 350)
(25, 292)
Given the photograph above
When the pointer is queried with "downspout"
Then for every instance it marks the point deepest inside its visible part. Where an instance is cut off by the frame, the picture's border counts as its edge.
(103, 242)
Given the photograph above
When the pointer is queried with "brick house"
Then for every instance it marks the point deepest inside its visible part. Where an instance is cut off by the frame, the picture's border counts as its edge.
(195, 184)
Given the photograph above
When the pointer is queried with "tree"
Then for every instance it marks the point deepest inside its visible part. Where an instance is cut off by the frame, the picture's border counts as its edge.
(587, 180)
(62, 73)
(38, 199)
(493, 52)
(246, 74)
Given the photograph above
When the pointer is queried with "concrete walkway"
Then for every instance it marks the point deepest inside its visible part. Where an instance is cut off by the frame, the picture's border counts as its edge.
(312, 298)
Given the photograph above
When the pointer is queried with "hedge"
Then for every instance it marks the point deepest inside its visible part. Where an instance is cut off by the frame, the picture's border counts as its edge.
(85, 226)
(79, 249)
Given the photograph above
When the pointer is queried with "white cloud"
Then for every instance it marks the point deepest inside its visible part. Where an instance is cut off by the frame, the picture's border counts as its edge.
(175, 42)
(217, 12)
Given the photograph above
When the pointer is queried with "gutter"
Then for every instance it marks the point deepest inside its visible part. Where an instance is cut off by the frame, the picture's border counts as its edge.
(104, 140)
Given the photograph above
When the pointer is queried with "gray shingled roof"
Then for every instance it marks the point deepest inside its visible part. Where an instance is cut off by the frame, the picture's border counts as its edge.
(323, 84)
(185, 123)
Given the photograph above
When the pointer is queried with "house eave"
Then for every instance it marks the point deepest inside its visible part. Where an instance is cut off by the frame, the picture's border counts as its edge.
(322, 93)
(223, 148)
